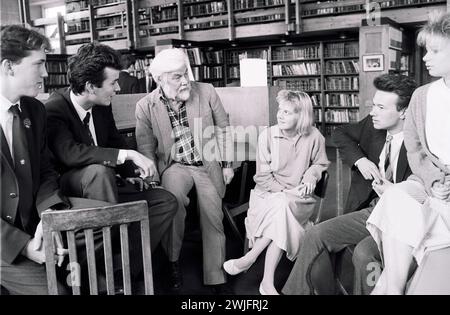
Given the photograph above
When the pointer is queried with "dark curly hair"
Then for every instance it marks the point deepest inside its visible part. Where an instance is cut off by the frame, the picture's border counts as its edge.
(17, 42)
(399, 84)
(88, 65)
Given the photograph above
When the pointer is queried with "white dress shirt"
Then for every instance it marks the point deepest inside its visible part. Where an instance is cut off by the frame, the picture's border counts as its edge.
(82, 114)
(6, 121)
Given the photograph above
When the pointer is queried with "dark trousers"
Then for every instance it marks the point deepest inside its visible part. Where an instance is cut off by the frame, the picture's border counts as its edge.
(332, 236)
(25, 276)
(98, 182)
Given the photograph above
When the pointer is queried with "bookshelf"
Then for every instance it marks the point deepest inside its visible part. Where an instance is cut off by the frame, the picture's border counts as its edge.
(142, 61)
(341, 84)
(207, 65)
(57, 73)
(102, 20)
(233, 57)
(328, 72)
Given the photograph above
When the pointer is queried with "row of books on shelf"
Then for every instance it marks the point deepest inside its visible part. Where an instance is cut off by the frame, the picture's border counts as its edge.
(315, 99)
(57, 79)
(56, 66)
(303, 68)
(344, 49)
(254, 4)
(337, 115)
(341, 99)
(158, 31)
(342, 83)
(113, 21)
(236, 56)
(259, 19)
(113, 36)
(78, 26)
(74, 6)
(219, 6)
(206, 72)
(303, 84)
(206, 25)
(290, 53)
(161, 14)
(199, 57)
(96, 3)
(334, 10)
(341, 116)
(341, 66)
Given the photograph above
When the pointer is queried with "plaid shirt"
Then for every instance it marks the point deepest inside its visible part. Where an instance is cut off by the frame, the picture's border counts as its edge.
(185, 151)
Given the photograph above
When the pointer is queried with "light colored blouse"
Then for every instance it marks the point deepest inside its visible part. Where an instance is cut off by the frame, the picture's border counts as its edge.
(283, 163)
(437, 120)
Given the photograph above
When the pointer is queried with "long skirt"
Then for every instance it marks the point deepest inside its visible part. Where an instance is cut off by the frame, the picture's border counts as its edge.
(405, 212)
(281, 217)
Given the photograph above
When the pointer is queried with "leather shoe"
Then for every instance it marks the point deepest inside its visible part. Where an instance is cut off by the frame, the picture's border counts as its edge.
(230, 267)
(176, 278)
(221, 289)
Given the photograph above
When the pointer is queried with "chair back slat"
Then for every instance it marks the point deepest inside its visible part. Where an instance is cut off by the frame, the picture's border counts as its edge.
(97, 217)
(50, 263)
(90, 220)
(125, 251)
(92, 269)
(148, 273)
(107, 248)
(75, 276)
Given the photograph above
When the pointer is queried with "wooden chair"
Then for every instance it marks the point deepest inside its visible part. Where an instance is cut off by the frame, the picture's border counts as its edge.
(239, 206)
(71, 221)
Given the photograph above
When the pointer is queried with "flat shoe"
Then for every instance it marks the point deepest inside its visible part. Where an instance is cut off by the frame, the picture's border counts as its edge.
(231, 268)
(262, 292)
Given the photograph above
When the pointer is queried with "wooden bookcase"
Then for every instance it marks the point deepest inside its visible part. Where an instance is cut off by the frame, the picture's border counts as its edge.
(57, 73)
(207, 65)
(341, 84)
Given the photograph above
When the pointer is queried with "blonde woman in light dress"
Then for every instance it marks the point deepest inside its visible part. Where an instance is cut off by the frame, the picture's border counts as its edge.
(413, 217)
(290, 160)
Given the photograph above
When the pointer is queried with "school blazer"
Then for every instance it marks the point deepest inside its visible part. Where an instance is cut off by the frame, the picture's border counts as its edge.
(45, 188)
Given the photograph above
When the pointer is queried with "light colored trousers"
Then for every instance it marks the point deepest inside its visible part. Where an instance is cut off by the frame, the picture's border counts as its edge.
(179, 179)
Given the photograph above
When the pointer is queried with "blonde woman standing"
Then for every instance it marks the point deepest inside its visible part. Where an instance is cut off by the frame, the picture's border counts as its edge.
(290, 160)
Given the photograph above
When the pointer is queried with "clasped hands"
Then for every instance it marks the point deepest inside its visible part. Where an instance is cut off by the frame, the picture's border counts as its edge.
(34, 250)
(303, 190)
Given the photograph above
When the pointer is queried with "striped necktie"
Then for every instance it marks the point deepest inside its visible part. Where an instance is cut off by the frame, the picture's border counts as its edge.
(389, 175)
(86, 125)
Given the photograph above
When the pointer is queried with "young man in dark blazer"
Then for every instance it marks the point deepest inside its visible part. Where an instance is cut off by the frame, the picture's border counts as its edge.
(88, 148)
(364, 147)
(128, 83)
(28, 183)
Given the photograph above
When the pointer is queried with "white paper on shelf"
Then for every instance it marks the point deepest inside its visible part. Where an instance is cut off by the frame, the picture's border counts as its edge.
(253, 72)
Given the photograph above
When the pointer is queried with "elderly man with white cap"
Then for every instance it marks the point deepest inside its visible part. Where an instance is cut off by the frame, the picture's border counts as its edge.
(182, 126)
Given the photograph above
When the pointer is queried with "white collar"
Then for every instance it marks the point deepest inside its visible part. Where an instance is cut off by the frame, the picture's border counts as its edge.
(80, 110)
(5, 104)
